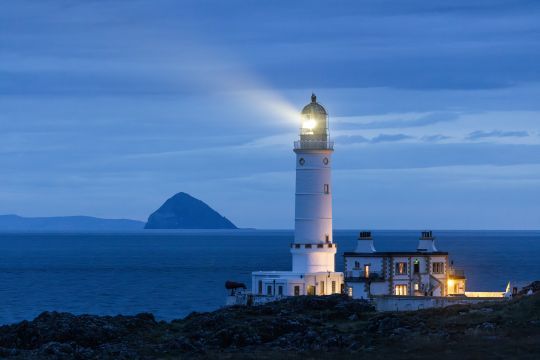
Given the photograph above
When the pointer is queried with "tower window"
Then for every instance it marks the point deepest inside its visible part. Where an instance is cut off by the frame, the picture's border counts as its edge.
(327, 238)
(326, 189)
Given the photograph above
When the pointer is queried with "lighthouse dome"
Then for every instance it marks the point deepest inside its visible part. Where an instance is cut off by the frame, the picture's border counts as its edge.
(314, 108)
(314, 121)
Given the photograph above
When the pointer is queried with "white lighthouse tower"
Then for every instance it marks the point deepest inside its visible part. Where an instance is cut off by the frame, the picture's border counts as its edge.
(313, 250)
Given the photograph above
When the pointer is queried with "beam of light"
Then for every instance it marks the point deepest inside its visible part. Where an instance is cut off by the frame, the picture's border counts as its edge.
(215, 70)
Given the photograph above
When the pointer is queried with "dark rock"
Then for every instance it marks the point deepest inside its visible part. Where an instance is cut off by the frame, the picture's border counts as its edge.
(183, 211)
(316, 326)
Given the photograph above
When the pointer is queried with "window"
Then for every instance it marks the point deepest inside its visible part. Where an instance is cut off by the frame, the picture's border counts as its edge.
(357, 265)
(366, 271)
(400, 290)
(269, 290)
(416, 287)
(327, 238)
(322, 287)
(280, 290)
(311, 290)
(438, 268)
(350, 291)
(296, 290)
(333, 287)
(326, 189)
(416, 266)
(260, 287)
(401, 268)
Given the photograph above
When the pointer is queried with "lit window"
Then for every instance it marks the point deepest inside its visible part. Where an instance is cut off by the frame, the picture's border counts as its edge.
(333, 287)
(322, 287)
(366, 271)
(401, 268)
(401, 290)
(416, 286)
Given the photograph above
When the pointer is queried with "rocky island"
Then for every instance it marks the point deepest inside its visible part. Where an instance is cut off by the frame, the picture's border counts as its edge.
(183, 211)
(297, 327)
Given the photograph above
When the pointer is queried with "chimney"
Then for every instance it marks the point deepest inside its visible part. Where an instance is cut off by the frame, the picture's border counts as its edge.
(365, 243)
(427, 242)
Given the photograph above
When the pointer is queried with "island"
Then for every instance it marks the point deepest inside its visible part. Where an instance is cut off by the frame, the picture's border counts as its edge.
(183, 211)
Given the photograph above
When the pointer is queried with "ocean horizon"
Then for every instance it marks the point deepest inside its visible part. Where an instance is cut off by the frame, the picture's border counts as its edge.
(172, 273)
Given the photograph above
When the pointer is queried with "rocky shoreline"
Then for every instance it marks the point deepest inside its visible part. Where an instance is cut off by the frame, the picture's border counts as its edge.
(300, 327)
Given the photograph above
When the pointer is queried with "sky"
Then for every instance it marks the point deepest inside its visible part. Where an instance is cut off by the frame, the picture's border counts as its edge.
(108, 108)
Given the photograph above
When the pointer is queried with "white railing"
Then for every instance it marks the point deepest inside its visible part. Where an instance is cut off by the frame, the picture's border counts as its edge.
(314, 145)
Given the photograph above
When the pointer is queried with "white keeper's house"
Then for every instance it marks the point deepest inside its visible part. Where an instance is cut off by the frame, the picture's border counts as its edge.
(424, 272)
(313, 250)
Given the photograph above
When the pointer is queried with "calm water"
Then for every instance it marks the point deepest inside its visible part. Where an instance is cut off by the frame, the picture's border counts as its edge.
(173, 273)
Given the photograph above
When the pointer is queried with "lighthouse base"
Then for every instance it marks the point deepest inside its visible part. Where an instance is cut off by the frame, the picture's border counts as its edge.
(277, 284)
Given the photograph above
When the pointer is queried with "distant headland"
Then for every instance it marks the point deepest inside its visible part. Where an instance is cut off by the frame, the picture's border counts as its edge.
(67, 223)
(182, 211)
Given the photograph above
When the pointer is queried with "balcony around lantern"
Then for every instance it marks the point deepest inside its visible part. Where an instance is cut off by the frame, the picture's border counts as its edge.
(314, 145)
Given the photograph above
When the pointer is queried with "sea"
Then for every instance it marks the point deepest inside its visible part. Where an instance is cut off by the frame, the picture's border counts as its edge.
(173, 273)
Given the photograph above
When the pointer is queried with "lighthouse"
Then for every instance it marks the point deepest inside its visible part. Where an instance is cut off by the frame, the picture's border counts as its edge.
(313, 250)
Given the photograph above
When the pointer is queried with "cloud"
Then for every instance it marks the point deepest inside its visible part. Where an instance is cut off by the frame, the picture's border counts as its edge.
(389, 138)
(435, 138)
(351, 139)
(479, 134)
(358, 139)
(426, 120)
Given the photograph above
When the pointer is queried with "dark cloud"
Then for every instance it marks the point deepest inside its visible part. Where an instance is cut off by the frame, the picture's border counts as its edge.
(479, 134)
(357, 139)
(435, 138)
(390, 138)
(426, 120)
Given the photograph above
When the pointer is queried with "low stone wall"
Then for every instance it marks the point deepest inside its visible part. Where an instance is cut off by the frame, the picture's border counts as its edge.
(410, 303)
